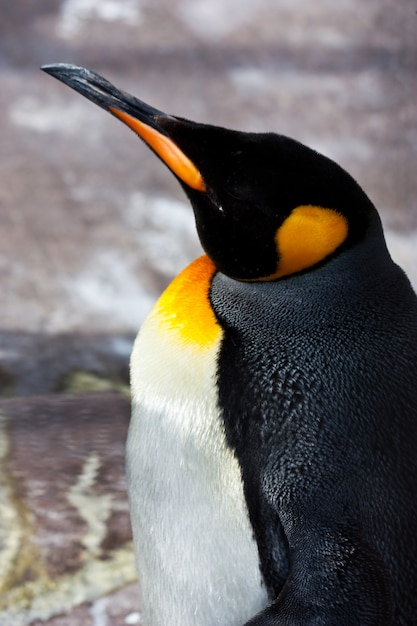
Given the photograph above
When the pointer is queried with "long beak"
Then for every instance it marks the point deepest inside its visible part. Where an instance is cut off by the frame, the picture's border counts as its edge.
(143, 119)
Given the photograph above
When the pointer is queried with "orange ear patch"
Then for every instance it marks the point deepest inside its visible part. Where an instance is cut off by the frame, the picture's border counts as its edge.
(307, 236)
(164, 147)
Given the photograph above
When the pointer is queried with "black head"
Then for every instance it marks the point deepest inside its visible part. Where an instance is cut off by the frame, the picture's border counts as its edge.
(265, 205)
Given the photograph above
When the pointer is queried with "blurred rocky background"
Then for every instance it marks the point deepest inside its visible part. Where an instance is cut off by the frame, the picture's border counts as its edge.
(92, 227)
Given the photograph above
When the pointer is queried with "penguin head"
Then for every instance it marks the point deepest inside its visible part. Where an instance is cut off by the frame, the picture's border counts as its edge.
(266, 206)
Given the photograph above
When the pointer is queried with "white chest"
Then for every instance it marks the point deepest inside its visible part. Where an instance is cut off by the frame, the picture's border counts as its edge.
(197, 560)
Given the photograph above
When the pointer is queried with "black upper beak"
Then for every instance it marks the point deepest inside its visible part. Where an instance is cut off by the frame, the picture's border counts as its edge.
(104, 94)
(145, 120)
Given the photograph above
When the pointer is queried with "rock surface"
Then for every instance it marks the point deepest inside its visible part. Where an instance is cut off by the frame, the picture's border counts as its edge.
(92, 228)
(65, 537)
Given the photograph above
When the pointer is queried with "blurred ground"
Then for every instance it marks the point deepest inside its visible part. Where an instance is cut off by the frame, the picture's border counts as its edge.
(92, 226)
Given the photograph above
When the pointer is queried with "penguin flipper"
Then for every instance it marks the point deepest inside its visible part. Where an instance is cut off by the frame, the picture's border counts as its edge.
(328, 583)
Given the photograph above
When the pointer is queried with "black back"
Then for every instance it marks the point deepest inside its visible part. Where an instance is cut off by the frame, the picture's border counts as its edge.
(318, 390)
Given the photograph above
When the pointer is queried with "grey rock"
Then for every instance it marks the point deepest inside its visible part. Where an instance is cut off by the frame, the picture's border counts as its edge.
(65, 536)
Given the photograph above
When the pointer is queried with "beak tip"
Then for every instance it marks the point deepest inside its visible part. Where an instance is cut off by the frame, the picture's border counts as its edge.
(66, 72)
(51, 67)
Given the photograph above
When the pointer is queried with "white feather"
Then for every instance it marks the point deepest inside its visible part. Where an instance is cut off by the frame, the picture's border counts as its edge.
(197, 559)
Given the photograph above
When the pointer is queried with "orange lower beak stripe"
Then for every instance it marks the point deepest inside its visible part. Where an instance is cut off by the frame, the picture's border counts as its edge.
(164, 147)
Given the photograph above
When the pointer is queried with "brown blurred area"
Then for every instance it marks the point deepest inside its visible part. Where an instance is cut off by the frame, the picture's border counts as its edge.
(92, 227)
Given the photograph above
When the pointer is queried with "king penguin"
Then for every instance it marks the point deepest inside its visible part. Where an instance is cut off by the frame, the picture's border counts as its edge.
(272, 451)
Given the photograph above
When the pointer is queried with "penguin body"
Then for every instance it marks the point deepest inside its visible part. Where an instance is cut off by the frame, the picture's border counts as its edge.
(189, 489)
(313, 413)
(272, 453)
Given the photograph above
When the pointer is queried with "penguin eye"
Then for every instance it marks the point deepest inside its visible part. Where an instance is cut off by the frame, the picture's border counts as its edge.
(252, 199)
(239, 188)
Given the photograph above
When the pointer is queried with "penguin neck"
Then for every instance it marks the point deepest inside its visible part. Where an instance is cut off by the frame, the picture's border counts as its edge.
(318, 294)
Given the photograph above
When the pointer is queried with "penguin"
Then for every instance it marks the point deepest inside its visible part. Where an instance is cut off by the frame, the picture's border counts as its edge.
(272, 451)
